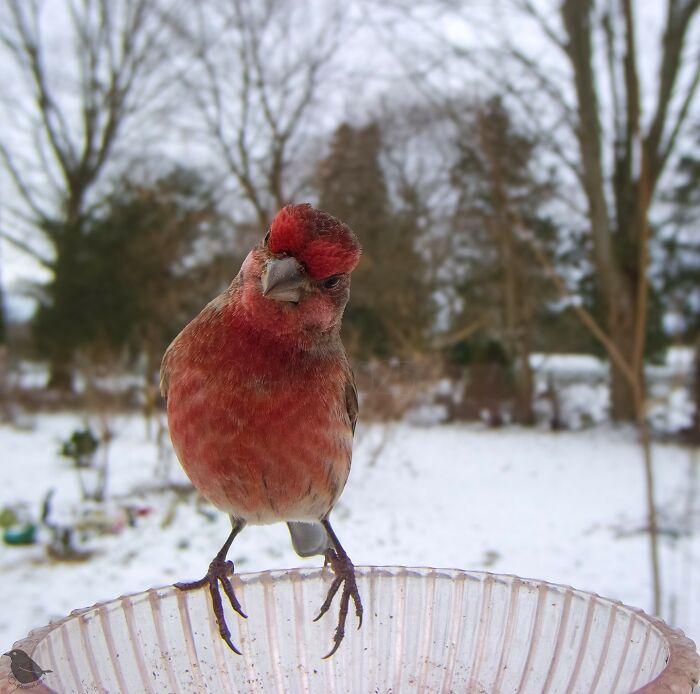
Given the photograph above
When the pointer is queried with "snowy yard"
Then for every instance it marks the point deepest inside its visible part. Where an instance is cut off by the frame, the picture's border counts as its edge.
(565, 507)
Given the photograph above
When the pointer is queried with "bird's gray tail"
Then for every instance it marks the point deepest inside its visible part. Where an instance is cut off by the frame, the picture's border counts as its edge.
(309, 538)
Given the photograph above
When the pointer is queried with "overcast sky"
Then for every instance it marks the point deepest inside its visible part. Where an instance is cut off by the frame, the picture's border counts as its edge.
(381, 64)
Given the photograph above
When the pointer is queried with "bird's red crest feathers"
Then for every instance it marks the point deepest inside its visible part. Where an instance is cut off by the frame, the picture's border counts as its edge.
(322, 243)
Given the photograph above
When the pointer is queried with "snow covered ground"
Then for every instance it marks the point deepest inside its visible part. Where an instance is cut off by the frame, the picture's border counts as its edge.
(565, 507)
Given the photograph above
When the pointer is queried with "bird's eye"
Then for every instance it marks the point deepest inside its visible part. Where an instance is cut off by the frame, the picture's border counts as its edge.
(331, 282)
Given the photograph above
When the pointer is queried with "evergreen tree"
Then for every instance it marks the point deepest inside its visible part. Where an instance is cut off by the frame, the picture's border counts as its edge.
(504, 288)
(680, 269)
(391, 305)
(3, 318)
(681, 263)
(135, 276)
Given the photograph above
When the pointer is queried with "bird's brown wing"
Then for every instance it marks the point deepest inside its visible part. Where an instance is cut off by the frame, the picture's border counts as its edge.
(311, 538)
(26, 670)
(207, 314)
(165, 369)
(351, 402)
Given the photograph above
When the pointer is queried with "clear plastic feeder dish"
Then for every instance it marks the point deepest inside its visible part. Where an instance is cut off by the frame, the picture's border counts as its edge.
(424, 630)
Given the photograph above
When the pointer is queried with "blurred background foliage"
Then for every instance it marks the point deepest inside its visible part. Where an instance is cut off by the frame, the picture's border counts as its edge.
(513, 195)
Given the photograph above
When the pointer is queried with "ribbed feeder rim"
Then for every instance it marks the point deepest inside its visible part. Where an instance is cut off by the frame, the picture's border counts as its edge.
(680, 675)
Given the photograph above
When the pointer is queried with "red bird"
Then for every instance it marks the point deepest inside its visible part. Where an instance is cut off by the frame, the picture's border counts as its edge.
(262, 403)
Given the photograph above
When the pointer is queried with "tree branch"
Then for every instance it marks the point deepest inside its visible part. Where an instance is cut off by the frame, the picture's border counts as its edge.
(528, 7)
(681, 118)
(577, 20)
(678, 19)
(25, 248)
(30, 198)
(584, 315)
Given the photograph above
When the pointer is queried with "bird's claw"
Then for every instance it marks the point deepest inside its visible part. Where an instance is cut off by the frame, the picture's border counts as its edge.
(344, 576)
(220, 571)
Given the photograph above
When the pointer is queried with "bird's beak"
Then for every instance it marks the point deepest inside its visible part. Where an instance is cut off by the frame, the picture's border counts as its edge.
(283, 279)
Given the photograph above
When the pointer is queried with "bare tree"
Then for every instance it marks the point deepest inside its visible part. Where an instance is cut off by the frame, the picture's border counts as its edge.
(620, 193)
(573, 68)
(640, 150)
(623, 152)
(257, 73)
(86, 70)
(499, 193)
(580, 86)
(624, 146)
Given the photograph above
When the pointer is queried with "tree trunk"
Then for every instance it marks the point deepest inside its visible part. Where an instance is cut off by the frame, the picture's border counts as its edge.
(525, 411)
(621, 395)
(622, 328)
(59, 331)
(60, 373)
(695, 432)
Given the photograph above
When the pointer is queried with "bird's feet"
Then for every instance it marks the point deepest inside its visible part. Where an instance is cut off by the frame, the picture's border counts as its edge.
(344, 575)
(220, 571)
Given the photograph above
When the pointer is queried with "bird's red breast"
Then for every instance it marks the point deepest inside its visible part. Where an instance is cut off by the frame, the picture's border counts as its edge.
(259, 424)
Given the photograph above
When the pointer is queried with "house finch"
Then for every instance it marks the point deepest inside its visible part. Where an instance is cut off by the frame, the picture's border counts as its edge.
(262, 402)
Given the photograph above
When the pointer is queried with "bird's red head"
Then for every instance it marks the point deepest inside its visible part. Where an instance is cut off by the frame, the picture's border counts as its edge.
(320, 242)
(297, 281)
